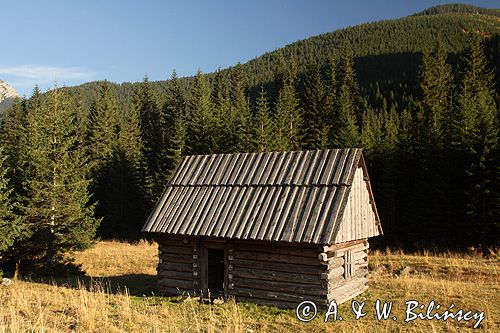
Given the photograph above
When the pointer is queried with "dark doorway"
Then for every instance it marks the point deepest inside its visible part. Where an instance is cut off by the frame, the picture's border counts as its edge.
(216, 270)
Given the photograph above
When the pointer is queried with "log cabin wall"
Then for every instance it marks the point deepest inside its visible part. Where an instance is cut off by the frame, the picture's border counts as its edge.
(279, 274)
(273, 273)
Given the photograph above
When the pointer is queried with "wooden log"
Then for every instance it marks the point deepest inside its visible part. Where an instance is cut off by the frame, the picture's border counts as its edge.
(293, 251)
(277, 258)
(173, 266)
(285, 244)
(264, 274)
(338, 281)
(340, 246)
(277, 295)
(361, 263)
(176, 283)
(361, 255)
(332, 273)
(340, 252)
(353, 292)
(279, 267)
(285, 287)
(176, 275)
(178, 258)
(350, 287)
(177, 250)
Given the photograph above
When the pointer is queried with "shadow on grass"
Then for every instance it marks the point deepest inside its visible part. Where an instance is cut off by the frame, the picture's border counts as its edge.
(134, 284)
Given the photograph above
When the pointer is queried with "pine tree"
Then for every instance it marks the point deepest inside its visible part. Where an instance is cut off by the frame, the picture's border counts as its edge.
(201, 132)
(347, 129)
(262, 124)
(287, 116)
(58, 212)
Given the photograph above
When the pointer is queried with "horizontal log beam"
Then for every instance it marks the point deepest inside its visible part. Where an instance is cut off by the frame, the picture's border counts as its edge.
(292, 251)
(279, 267)
(277, 295)
(349, 287)
(173, 266)
(265, 274)
(278, 286)
(177, 249)
(356, 248)
(178, 258)
(340, 246)
(277, 258)
(332, 273)
(341, 298)
(176, 275)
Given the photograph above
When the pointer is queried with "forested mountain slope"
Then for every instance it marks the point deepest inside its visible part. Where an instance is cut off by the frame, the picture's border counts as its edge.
(387, 53)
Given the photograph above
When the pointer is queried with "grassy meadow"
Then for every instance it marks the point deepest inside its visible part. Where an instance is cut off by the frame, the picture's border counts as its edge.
(118, 295)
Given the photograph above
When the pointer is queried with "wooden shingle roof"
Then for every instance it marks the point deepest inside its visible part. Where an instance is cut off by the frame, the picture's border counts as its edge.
(280, 196)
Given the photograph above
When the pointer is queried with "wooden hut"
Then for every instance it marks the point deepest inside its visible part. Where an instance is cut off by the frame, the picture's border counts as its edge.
(273, 228)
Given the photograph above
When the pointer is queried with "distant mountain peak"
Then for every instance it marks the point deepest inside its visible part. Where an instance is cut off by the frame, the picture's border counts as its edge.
(6, 91)
(7, 95)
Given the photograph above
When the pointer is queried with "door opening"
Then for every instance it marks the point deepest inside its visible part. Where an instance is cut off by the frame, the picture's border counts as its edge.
(216, 270)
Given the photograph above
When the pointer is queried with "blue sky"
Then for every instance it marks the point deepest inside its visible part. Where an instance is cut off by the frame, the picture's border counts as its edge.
(79, 41)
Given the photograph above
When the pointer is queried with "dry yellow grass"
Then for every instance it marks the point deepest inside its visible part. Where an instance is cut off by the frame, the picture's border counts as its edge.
(102, 303)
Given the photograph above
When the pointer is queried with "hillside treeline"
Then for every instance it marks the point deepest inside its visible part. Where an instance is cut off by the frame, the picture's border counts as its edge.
(70, 172)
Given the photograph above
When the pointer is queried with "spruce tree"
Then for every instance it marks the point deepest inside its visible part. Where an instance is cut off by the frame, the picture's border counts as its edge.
(347, 133)
(103, 127)
(10, 220)
(477, 131)
(146, 102)
(130, 182)
(13, 139)
(58, 212)
(430, 146)
(435, 82)
(176, 122)
(241, 110)
(201, 132)
(331, 97)
(224, 118)
(262, 124)
(316, 114)
(102, 135)
(287, 115)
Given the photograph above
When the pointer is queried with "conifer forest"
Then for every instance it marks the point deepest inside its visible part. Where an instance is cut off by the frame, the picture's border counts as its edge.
(89, 162)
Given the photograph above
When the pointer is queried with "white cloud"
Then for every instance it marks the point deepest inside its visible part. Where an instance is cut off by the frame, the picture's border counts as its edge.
(27, 76)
